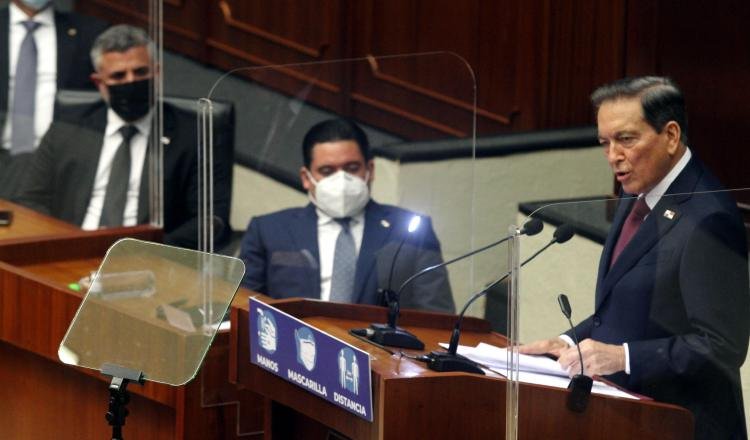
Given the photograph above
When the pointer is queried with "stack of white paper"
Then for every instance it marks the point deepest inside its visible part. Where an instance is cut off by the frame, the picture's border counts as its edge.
(539, 370)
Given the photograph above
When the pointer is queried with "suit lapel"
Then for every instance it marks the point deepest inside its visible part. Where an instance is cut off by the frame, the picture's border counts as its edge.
(89, 147)
(304, 232)
(4, 63)
(67, 39)
(374, 236)
(659, 222)
(144, 191)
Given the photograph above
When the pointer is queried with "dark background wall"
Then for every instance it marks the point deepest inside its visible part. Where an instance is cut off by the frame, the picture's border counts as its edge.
(534, 61)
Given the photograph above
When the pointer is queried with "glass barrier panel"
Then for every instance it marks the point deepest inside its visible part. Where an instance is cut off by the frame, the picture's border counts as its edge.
(152, 308)
(668, 276)
(409, 131)
(75, 167)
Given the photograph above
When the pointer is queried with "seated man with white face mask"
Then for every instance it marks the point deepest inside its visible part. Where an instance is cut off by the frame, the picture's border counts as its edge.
(340, 247)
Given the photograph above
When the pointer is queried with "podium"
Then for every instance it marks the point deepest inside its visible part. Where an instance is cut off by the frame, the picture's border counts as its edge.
(410, 401)
(44, 398)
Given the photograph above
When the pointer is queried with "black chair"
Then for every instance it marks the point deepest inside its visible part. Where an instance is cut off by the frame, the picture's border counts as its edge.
(71, 101)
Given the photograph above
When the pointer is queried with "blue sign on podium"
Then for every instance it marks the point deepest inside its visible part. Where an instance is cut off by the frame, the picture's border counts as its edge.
(312, 359)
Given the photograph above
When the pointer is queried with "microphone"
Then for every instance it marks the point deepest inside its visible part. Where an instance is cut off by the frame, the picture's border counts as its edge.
(452, 361)
(393, 336)
(390, 334)
(580, 384)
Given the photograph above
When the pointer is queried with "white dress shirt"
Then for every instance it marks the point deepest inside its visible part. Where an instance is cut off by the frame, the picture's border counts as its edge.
(328, 232)
(112, 140)
(652, 198)
(45, 38)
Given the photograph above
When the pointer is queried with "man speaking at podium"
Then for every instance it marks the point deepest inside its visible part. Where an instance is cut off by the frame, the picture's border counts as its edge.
(341, 246)
(672, 305)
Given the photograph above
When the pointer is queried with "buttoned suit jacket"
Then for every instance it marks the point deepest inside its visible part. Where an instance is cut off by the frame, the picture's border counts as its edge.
(280, 251)
(678, 295)
(63, 170)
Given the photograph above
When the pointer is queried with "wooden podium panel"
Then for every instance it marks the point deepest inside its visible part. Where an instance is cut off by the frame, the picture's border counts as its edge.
(410, 401)
(43, 398)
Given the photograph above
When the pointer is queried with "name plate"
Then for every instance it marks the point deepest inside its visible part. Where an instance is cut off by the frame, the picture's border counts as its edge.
(311, 359)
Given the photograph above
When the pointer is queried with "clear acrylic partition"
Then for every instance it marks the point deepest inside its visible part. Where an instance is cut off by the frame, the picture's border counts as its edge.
(80, 118)
(388, 97)
(692, 282)
(152, 308)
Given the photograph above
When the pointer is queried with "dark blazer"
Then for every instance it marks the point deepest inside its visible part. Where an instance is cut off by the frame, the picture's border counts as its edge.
(75, 35)
(280, 251)
(63, 170)
(679, 296)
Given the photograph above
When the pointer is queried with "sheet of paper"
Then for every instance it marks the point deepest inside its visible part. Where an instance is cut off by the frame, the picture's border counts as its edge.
(538, 370)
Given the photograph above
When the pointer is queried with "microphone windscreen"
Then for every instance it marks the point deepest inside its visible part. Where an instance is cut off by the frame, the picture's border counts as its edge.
(532, 227)
(564, 233)
(562, 299)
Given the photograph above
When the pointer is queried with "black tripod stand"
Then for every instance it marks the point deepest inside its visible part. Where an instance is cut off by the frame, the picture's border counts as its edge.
(119, 396)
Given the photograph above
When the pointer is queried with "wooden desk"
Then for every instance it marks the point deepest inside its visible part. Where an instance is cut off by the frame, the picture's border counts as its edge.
(410, 401)
(43, 398)
(28, 223)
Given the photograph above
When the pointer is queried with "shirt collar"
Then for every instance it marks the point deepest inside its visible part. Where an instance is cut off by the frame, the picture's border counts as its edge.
(324, 219)
(654, 195)
(115, 123)
(46, 17)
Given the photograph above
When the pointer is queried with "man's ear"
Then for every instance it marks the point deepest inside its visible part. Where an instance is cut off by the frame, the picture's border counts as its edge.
(99, 83)
(673, 133)
(305, 178)
(370, 170)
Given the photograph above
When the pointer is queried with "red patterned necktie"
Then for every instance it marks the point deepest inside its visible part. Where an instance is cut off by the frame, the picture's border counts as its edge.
(639, 211)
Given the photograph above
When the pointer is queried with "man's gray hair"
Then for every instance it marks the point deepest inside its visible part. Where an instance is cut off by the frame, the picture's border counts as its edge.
(119, 38)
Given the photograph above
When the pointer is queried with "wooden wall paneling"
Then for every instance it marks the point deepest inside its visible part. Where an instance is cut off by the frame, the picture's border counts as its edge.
(507, 54)
(586, 49)
(184, 22)
(186, 27)
(435, 92)
(251, 34)
(707, 51)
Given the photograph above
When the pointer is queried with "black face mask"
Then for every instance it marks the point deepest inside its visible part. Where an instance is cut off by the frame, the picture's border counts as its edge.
(130, 100)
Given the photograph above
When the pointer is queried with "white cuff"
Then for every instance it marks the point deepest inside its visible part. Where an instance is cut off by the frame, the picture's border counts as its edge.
(567, 340)
(627, 357)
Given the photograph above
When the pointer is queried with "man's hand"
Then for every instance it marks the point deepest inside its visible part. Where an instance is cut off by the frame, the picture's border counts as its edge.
(598, 358)
(553, 346)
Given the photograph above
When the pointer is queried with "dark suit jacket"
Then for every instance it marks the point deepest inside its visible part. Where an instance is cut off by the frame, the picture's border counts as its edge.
(280, 251)
(63, 169)
(678, 295)
(75, 35)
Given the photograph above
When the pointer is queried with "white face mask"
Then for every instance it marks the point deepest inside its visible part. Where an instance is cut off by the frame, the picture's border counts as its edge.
(340, 194)
(36, 4)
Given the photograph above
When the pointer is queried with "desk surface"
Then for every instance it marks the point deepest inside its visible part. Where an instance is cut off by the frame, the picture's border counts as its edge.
(410, 401)
(29, 223)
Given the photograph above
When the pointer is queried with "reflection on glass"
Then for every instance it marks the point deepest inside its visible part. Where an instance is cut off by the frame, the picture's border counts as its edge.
(676, 292)
(152, 308)
(292, 252)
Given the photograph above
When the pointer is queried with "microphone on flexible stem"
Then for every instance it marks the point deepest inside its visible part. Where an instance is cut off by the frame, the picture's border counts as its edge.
(452, 361)
(390, 334)
(580, 384)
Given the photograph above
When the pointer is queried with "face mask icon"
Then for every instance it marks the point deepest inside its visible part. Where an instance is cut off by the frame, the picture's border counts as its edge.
(305, 347)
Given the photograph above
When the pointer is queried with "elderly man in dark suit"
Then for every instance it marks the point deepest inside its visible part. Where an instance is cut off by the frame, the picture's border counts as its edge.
(46, 51)
(342, 246)
(92, 166)
(672, 309)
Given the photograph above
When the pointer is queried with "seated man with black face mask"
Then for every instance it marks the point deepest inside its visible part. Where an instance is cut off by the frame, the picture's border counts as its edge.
(341, 246)
(92, 166)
